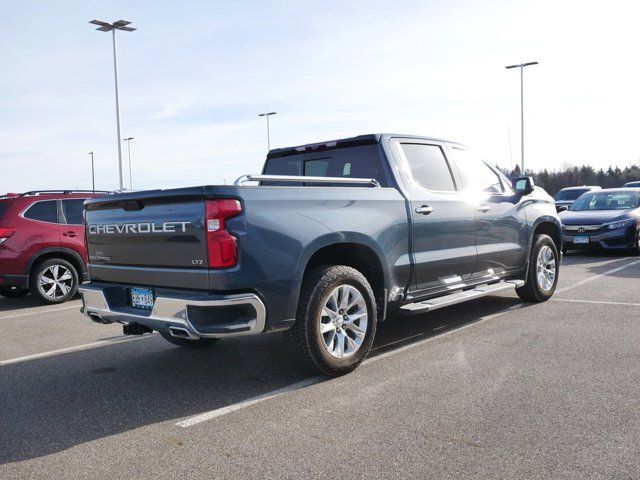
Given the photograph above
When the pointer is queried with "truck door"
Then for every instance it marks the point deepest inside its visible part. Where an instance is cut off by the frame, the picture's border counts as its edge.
(501, 227)
(442, 219)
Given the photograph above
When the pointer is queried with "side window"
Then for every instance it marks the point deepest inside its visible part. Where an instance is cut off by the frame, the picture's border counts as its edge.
(476, 174)
(46, 211)
(72, 211)
(429, 167)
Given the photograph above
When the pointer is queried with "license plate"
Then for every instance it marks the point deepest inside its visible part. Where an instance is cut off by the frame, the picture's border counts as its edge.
(581, 239)
(142, 298)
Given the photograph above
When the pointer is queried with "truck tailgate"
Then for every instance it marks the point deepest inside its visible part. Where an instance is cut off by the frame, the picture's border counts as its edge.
(149, 238)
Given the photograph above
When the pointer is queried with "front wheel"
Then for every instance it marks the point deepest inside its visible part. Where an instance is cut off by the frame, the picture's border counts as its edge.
(336, 320)
(542, 277)
(13, 292)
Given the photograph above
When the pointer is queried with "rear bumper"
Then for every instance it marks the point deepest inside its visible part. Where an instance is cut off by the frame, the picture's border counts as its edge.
(180, 313)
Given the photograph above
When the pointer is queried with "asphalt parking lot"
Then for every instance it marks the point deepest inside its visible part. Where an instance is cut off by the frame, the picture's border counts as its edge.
(490, 389)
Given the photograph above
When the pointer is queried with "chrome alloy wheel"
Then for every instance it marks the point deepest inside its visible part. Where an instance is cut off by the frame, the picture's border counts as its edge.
(343, 321)
(546, 268)
(56, 281)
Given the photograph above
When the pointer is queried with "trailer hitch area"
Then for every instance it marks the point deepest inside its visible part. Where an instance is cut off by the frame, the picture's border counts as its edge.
(135, 329)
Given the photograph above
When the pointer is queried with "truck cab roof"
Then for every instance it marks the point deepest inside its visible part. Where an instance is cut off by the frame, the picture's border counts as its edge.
(366, 139)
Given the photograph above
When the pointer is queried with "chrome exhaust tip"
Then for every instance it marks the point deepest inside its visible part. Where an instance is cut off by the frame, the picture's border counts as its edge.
(179, 332)
(97, 318)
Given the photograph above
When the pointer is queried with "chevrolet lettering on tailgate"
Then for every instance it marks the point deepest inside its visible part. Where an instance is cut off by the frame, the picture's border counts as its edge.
(111, 229)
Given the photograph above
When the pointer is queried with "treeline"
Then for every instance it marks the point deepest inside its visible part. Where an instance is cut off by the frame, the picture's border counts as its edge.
(555, 180)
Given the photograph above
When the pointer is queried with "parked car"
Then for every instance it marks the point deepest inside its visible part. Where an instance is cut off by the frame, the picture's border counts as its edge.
(42, 244)
(566, 196)
(336, 236)
(608, 219)
(632, 185)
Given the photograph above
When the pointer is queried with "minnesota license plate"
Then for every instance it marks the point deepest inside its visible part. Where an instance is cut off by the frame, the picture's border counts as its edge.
(581, 239)
(142, 298)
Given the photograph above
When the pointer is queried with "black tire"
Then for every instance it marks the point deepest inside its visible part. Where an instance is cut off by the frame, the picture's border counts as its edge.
(65, 290)
(13, 292)
(183, 342)
(635, 250)
(532, 291)
(306, 341)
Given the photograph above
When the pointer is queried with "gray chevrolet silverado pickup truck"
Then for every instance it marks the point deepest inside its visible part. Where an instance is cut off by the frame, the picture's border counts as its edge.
(331, 239)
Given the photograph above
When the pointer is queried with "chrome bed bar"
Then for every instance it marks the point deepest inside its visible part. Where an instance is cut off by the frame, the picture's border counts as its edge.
(296, 178)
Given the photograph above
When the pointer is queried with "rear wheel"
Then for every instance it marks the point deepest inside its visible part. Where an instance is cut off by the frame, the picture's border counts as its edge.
(336, 320)
(186, 343)
(13, 292)
(542, 277)
(54, 281)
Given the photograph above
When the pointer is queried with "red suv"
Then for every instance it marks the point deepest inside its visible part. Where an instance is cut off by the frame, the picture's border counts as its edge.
(42, 246)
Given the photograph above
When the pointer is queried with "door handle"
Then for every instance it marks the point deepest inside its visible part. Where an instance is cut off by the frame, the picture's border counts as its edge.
(424, 209)
(484, 208)
(70, 234)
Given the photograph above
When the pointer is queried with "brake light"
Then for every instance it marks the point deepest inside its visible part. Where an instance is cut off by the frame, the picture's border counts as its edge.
(6, 232)
(222, 247)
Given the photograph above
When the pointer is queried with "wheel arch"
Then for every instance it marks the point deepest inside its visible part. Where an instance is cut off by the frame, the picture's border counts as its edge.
(69, 255)
(354, 250)
(547, 225)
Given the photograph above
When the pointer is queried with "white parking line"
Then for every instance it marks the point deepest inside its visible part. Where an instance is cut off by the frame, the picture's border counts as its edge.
(77, 306)
(596, 276)
(600, 302)
(203, 417)
(77, 348)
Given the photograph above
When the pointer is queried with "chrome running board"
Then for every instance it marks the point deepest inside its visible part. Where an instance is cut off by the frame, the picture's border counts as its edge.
(460, 297)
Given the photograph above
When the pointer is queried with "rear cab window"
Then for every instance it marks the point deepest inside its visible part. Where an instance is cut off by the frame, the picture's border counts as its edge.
(362, 161)
(43, 211)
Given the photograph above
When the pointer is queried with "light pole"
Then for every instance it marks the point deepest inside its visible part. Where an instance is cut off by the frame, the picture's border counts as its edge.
(93, 175)
(268, 134)
(112, 27)
(521, 67)
(128, 140)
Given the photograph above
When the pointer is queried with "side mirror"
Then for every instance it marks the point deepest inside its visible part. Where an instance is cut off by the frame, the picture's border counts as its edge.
(561, 208)
(523, 185)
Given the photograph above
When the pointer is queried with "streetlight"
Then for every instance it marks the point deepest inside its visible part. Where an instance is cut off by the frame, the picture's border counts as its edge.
(112, 27)
(268, 137)
(128, 140)
(521, 67)
(93, 175)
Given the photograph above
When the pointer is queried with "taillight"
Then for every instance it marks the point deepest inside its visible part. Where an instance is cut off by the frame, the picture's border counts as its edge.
(6, 232)
(222, 247)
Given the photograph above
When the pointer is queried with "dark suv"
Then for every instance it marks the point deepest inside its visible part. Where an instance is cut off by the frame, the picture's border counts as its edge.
(42, 247)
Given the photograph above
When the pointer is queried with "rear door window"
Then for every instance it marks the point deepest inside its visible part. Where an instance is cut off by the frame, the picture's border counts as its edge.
(45, 211)
(429, 167)
(72, 211)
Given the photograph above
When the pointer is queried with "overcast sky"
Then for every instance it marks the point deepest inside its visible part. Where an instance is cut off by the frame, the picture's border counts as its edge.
(196, 73)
